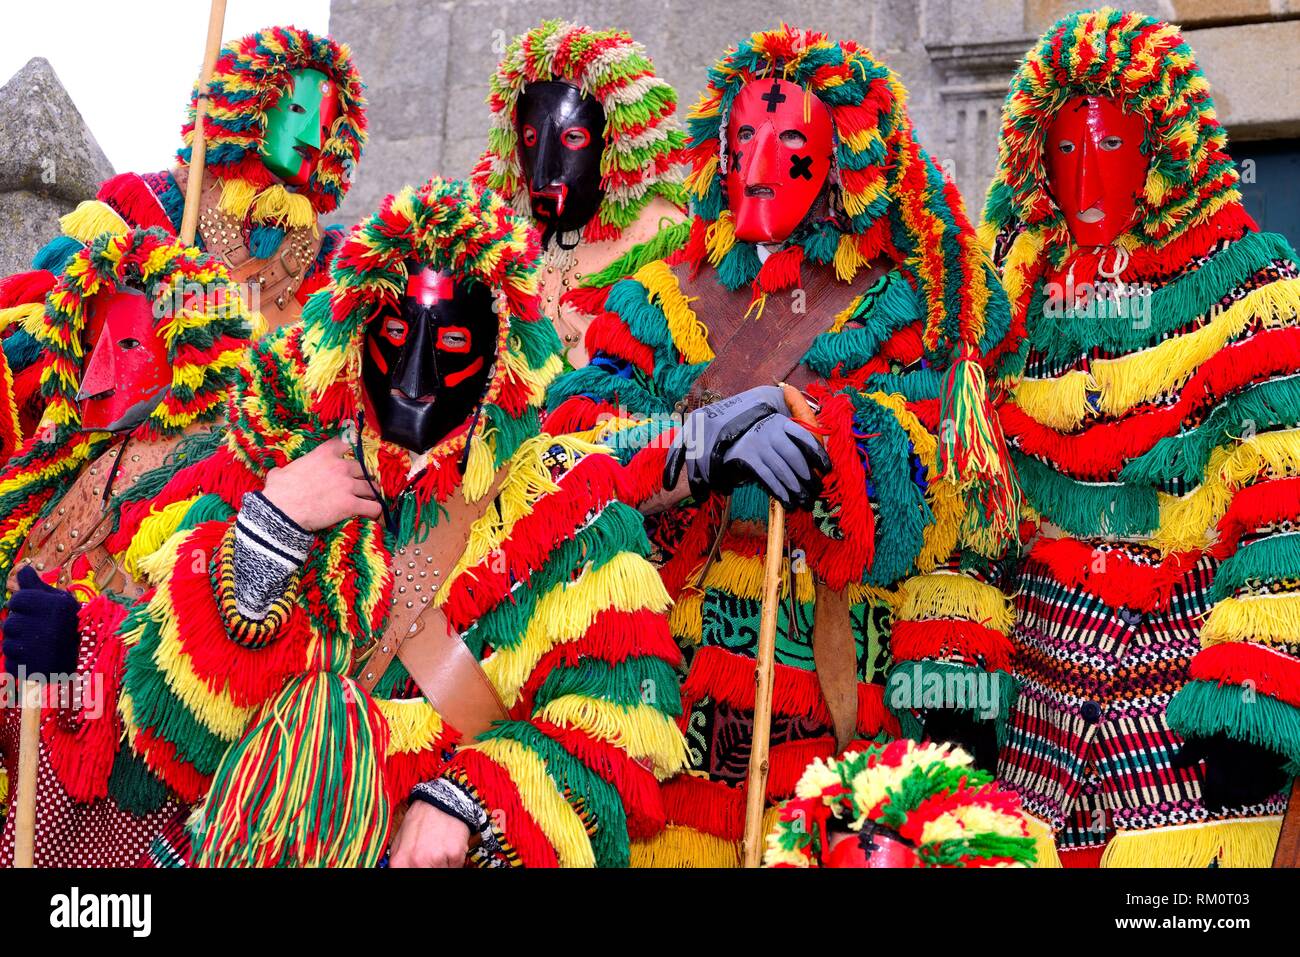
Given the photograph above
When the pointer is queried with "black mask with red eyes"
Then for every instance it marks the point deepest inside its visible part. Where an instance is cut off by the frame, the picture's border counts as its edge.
(561, 138)
(426, 367)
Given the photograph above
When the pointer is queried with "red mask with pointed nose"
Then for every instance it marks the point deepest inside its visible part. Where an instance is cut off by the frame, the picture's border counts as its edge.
(1095, 167)
(778, 158)
(127, 372)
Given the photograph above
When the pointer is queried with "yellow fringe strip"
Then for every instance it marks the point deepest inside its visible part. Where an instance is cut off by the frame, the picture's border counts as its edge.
(640, 730)
(1268, 619)
(91, 219)
(720, 237)
(842, 318)
(413, 724)
(626, 582)
(1230, 843)
(698, 182)
(154, 531)
(274, 205)
(874, 595)
(953, 595)
(1186, 521)
(1124, 382)
(542, 800)
(1044, 843)
(742, 576)
(848, 260)
(690, 335)
(686, 620)
(678, 847)
(28, 317)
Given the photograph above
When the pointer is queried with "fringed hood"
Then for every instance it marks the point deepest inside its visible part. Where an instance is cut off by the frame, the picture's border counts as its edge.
(889, 199)
(1148, 68)
(250, 75)
(950, 813)
(448, 225)
(203, 321)
(643, 140)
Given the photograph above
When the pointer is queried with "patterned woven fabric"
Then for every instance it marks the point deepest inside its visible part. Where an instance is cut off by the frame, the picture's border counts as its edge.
(1088, 744)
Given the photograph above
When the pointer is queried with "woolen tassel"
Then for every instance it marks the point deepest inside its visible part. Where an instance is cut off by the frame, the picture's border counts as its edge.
(973, 452)
(1241, 843)
(304, 786)
(90, 219)
(1045, 852)
(679, 847)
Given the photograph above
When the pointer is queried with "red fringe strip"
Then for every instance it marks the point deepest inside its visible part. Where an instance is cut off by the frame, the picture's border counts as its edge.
(1269, 672)
(614, 636)
(588, 300)
(693, 547)
(943, 638)
(728, 677)
(1081, 857)
(132, 199)
(714, 807)
(609, 334)
(576, 414)
(82, 744)
(636, 785)
(161, 758)
(839, 561)
(643, 476)
(1256, 506)
(403, 770)
(25, 288)
(498, 791)
(1112, 576)
(1099, 452)
(589, 486)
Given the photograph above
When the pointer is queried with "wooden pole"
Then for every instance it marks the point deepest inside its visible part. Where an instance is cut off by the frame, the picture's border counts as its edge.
(29, 749)
(756, 782)
(1288, 841)
(198, 146)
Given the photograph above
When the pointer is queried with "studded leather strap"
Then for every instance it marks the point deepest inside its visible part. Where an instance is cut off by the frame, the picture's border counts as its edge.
(418, 632)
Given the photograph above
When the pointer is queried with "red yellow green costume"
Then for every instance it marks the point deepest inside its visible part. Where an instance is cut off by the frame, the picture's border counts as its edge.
(244, 717)
(1154, 434)
(96, 806)
(899, 536)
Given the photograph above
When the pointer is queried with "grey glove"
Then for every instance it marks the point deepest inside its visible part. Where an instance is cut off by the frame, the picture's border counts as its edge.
(748, 437)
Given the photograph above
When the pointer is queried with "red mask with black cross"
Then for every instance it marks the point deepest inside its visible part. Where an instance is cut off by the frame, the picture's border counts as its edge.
(780, 143)
(128, 370)
(1096, 169)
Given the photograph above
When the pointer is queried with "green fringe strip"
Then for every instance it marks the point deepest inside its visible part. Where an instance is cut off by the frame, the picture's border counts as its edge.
(1275, 557)
(916, 686)
(665, 242)
(1202, 708)
(1085, 509)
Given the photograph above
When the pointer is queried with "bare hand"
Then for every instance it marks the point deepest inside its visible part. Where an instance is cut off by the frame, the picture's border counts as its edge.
(429, 837)
(322, 488)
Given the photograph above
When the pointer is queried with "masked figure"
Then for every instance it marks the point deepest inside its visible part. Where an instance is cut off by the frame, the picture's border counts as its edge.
(896, 805)
(1154, 433)
(471, 641)
(285, 127)
(812, 260)
(153, 332)
(594, 166)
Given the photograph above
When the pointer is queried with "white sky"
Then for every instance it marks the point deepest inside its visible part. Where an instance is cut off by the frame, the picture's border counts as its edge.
(129, 64)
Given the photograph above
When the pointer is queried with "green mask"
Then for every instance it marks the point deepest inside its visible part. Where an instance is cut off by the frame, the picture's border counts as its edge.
(297, 126)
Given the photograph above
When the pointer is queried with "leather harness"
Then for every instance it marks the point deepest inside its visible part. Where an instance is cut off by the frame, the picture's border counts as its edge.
(419, 635)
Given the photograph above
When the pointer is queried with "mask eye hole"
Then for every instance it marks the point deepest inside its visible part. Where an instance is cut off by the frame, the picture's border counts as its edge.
(127, 344)
(297, 108)
(395, 331)
(793, 138)
(744, 134)
(1065, 146)
(1111, 143)
(530, 136)
(454, 339)
(576, 138)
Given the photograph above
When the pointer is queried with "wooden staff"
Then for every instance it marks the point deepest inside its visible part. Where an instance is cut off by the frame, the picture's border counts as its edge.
(198, 145)
(29, 745)
(756, 782)
(1288, 841)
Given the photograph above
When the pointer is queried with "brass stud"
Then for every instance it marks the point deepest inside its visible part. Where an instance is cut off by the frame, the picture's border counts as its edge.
(410, 604)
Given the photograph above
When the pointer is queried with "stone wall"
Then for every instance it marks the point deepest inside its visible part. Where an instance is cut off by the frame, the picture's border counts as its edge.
(427, 65)
(49, 162)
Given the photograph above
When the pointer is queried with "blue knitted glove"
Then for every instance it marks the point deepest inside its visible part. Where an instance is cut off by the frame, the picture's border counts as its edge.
(40, 632)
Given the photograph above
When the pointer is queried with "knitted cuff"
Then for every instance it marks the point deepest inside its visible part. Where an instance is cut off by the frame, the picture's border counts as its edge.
(269, 549)
(450, 798)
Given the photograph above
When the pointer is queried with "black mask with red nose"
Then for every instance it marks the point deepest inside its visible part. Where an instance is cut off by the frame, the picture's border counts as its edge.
(427, 364)
(561, 139)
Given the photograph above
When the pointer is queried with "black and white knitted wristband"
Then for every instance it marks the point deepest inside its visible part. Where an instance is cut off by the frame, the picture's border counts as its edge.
(269, 549)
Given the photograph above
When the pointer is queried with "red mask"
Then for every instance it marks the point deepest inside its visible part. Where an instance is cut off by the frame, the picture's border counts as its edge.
(1095, 167)
(871, 847)
(777, 161)
(127, 372)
